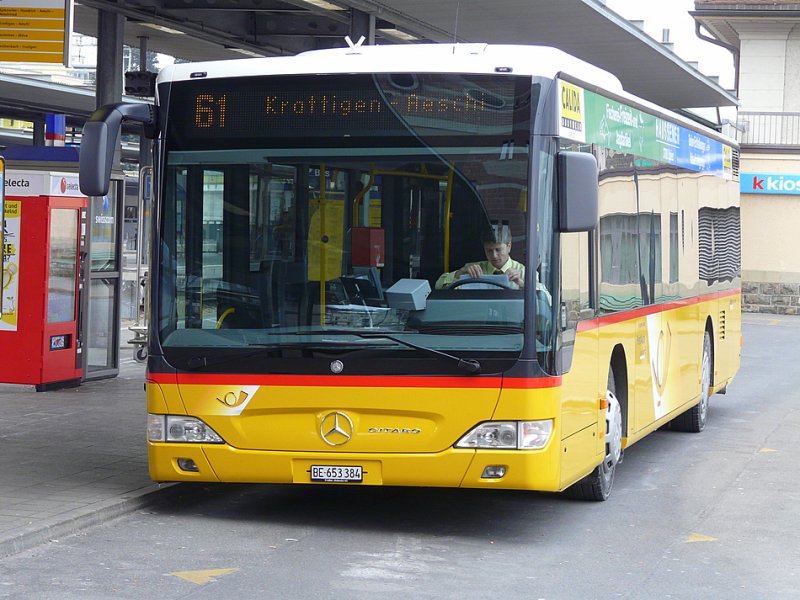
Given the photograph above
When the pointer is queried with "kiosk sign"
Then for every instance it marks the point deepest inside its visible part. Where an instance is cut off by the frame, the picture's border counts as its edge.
(770, 183)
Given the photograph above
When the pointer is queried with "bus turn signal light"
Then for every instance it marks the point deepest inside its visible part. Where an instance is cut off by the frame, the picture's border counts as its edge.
(508, 435)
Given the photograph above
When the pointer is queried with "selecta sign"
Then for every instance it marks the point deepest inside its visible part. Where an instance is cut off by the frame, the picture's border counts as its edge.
(37, 183)
(769, 183)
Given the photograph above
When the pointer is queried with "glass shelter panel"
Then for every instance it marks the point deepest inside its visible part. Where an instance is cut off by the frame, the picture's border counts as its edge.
(100, 340)
(103, 224)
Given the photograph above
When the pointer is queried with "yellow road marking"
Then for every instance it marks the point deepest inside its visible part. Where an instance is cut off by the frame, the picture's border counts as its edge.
(203, 577)
(699, 537)
(767, 450)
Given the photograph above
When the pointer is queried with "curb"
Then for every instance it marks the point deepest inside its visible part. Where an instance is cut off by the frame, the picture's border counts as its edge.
(78, 520)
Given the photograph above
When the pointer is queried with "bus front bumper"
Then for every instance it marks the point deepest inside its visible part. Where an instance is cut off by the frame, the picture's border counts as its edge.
(523, 469)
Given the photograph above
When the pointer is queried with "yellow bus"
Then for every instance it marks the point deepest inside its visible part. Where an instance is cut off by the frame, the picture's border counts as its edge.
(323, 306)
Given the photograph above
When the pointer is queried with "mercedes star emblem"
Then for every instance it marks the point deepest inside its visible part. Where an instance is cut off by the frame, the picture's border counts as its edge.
(336, 429)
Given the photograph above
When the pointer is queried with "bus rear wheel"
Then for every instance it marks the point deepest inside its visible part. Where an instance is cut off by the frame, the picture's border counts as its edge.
(694, 420)
(597, 485)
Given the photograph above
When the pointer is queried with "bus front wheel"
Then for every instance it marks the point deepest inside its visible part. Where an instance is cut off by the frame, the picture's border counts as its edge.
(597, 485)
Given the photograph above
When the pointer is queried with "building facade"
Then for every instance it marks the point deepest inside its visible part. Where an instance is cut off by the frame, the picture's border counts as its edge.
(764, 36)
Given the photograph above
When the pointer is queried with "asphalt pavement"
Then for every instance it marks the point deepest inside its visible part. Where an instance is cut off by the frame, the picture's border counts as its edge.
(74, 458)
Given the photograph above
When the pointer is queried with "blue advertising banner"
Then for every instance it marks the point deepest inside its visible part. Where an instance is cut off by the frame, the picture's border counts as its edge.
(769, 183)
(587, 117)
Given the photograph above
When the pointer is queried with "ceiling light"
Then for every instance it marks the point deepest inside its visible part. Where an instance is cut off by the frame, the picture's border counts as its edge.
(324, 4)
(399, 35)
(245, 52)
(161, 28)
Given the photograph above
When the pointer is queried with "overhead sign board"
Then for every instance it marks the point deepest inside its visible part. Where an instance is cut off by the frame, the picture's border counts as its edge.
(35, 31)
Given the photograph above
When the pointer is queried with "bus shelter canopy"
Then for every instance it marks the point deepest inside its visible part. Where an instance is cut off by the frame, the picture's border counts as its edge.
(586, 29)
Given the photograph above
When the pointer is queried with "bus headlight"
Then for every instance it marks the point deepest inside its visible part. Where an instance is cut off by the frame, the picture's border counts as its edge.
(177, 428)
(508, 435)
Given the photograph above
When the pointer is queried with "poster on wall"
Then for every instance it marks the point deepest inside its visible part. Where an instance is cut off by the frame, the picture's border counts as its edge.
(2, 226)
(12, 210)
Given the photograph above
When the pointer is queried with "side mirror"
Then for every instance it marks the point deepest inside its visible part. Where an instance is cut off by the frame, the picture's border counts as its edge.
(578, 203)
(99, 140)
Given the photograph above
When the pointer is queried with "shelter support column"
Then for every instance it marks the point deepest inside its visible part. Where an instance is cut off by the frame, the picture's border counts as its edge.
(110, 27)
(38, 133)
(145, 148)
(362, 23)
(110, 30)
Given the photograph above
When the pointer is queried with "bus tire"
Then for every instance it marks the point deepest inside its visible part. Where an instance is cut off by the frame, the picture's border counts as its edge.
(597, 485)
(694, 420)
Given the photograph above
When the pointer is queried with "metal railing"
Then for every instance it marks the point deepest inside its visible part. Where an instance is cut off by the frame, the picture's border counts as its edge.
(768, 129)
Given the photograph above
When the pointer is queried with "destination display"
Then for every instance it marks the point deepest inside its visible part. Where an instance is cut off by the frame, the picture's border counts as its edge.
(587, 117)
(348, 106)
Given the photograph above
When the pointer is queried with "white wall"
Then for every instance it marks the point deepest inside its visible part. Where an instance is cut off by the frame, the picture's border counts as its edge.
(763, 65)
(770, 223)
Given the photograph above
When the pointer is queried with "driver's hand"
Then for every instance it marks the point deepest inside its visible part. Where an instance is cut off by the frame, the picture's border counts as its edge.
(473, 270)
(515, 276)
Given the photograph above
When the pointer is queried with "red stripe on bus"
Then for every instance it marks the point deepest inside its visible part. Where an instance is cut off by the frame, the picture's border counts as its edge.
(533, 383)
(630, 315)
(376, 381)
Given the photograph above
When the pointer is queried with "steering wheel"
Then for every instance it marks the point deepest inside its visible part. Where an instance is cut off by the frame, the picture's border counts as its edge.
(466, 280)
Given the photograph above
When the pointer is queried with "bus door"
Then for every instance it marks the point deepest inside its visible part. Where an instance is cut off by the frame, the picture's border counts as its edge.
(421, 202)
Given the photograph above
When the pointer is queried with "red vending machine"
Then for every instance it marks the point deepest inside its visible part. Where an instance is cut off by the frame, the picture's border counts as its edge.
(44, 235)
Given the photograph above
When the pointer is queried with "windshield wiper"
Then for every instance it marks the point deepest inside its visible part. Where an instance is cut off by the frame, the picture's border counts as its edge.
(355, 332)
(465, 364)
(471, 329)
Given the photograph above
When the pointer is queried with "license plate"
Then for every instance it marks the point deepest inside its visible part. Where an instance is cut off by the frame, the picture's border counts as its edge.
(336, 474)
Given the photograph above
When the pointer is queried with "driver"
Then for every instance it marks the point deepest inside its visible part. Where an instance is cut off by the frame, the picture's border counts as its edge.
(497, 247)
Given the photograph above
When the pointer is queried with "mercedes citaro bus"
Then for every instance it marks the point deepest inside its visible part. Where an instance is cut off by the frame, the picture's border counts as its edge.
(306, 207)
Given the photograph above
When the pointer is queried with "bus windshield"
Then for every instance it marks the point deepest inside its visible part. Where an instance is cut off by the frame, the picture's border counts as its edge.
(291, 206)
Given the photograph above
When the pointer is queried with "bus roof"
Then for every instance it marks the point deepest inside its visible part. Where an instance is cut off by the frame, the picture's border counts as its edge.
(541, 61)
